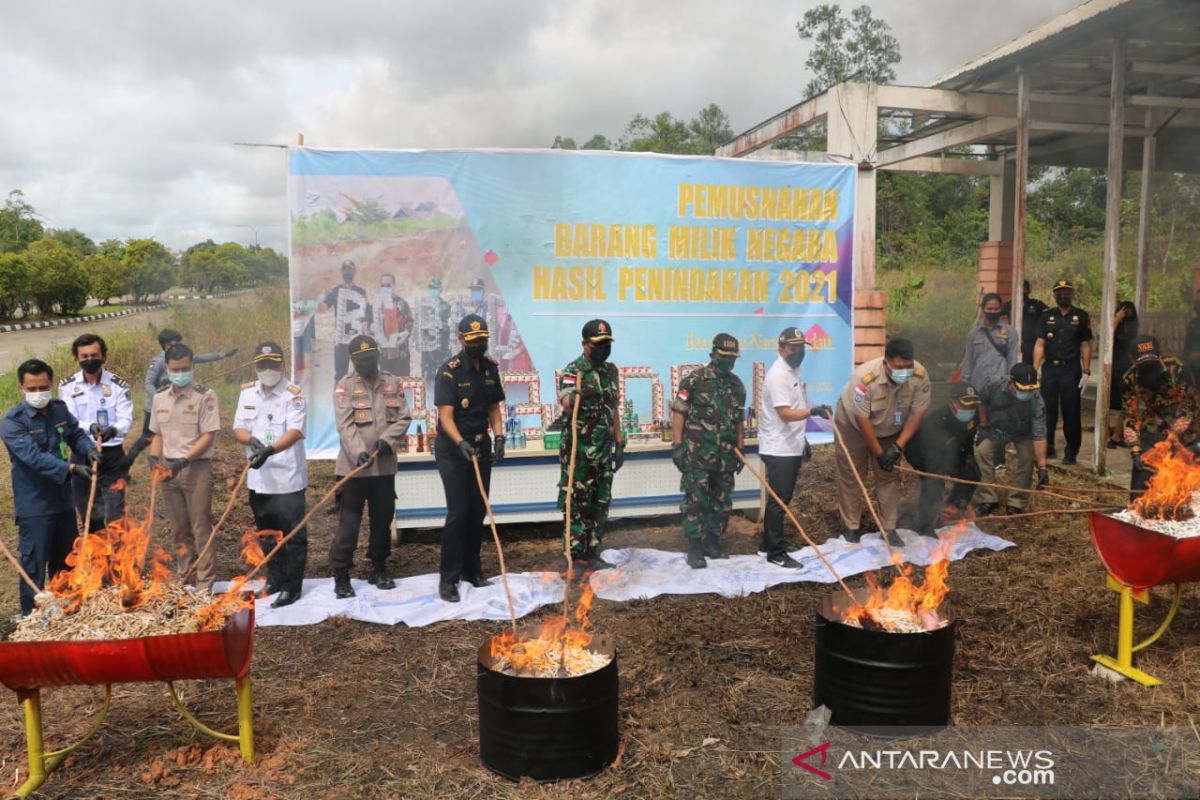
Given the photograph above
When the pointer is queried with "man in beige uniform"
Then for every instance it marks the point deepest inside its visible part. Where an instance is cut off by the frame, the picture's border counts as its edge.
(878, 413)
(184, 419)
(372, 415)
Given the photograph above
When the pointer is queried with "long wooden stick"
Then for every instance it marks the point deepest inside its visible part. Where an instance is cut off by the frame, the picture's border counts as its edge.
(1044, 512)
(487, 503)
(87, 520)
(212, 536)
(307, 517)
(883, 534)
(20, 570)
(796, 522)
(570, 495)
(1039, 492)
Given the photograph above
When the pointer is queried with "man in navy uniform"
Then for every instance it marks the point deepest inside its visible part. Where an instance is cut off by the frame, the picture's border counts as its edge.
(1063, 353)
(40, 434)
(100, 401)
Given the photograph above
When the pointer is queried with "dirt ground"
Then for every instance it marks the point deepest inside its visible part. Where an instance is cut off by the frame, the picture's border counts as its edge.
(348, 709)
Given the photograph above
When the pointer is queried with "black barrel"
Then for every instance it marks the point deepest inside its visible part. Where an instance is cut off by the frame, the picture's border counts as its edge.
(548, 729)
(878, 683)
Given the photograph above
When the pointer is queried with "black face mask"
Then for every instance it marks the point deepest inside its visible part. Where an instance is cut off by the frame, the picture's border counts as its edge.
(347, 277)
(991, 316)
(368, 368)
(794, 359)
(475, 350)
(1152, 376)
(91, 365)
(600, 352)
(1063, 301)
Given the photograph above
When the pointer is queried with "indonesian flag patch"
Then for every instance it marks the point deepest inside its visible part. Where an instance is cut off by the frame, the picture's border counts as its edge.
(683, 394)
(568, 380)
(860, 393)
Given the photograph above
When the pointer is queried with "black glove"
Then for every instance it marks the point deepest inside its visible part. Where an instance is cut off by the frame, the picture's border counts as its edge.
(467, 450)
(260, 456)
(176, 466)
(807, 454)
(738, 467)
(822, 411)
(96, 431)
(498, 449)
(93, 455)
(1043, 477)
(890, 457)
(256, 446)
(82, 471)
(1138, 464)
(619, 455)
(384, 447)
(232, 352)
(153, 461)
(677, 454)
(984, 433)
(363, 458)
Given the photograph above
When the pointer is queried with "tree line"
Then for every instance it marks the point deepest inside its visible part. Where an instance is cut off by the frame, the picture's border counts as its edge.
(56, 271)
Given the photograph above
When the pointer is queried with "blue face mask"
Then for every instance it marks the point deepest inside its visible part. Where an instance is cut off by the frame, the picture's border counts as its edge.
(180, 378)
(901, 376)
(1025, 394)
(965, 414)
(476, 297)
(434, 293)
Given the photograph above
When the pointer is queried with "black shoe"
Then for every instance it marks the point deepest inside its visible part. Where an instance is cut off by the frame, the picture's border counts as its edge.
(1010, 510)
(985, 509)
(478, 581)
(379, 577)
(448, 592)
(272, 588)
(695, 554)
(1051, 452)
(341, 584)
(579, 565)
(852, 535)
(894, 539)
(785, 561)
(928, 532)
(595, 562)
(1069, 461)
(712, 548)
(286, 598)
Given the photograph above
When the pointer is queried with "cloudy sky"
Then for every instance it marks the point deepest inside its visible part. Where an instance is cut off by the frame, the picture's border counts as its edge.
(119, 118)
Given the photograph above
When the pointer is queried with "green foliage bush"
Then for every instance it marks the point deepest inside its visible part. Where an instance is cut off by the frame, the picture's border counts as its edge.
(60, 283)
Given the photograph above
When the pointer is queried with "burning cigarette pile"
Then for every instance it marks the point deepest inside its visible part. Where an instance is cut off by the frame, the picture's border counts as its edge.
(557, 651)
(103, 615)
(1171, 502)
(905, 606)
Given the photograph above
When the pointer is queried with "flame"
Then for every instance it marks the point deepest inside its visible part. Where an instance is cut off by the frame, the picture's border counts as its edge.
(239, 595)
(124, 555)
(906, 603)
(1169, 493)
(557, 641)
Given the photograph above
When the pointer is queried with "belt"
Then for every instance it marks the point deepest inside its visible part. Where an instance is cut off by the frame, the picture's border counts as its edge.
(1058, 362)
(479, 437)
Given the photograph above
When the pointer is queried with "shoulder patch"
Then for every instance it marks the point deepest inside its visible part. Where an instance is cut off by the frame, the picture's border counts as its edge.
(293, 388)
(162, 389)
(119, 381)
(249, 384)
(66, 380)
(454, 363)
(201, 388)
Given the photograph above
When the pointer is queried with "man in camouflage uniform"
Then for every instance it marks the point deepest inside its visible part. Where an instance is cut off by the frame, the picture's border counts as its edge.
(706, 425)
(601, 450)
(1159, 397)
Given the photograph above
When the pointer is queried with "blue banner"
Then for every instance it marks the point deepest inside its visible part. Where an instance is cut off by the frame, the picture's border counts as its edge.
(670, 250)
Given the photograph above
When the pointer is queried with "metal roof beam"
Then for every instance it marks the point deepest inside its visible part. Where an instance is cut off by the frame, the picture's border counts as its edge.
(796, 118)
(966, 134)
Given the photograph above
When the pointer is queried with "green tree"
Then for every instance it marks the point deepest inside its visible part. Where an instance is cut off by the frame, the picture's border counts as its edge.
(16, 284)
(598, 142)
(59, 282)
(367, 211)
(113, 248)
(77, 241)
(149, 268)
(18, 223)
(662, 134)
(861, 47)
(709, 130)
(106, 277)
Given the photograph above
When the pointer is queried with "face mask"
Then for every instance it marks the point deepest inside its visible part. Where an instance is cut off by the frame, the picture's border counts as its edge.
(91, 365)
(347, 277)
(386, 289)
(600, 352)
(794, 359)
(180, 378)
(1063, 300)
(991, 316)
(725, 365)
(1151, 376)
(475, 349)
(37, 399)
(1025, 394)
(476, 297)
(901, 376)
(964, 414)
(434, 293)
(269, 377)
(367, 369)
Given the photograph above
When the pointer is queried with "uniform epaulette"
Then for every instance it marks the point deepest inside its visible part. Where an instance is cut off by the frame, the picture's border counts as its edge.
(293, 388)
(866, 379)
(454, 363)
(66, 380)
(200, 387)
(162, 389)
(249, 384)
(919, 372)
(119, 381)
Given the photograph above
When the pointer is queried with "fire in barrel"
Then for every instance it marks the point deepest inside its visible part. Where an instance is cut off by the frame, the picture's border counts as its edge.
(548, 699)
(884, 657)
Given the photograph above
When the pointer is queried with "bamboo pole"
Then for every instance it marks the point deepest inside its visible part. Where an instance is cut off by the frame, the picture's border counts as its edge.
(837, 434)
(796, 522)
(487, 503)
(20, 570)
(570, 493)
(1041, 492)
(87, 519)
(212, 536)
(1045, 512)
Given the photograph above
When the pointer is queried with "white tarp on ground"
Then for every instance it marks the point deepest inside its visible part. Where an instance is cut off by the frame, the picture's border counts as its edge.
(640, 574)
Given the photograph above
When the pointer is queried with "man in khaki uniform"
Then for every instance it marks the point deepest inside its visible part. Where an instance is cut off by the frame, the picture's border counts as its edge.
(184, 418)
(372, 415)
(877, 415)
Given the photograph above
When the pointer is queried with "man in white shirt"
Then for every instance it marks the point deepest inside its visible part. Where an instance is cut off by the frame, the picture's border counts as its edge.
(100, 400)
(782, 417)
(269, 421)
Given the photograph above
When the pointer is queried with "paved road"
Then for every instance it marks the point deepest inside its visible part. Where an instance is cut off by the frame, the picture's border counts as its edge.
(17, 346)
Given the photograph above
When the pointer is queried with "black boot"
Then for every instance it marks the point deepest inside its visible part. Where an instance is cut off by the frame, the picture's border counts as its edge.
(852, 535)
(448, 591)
(341, 584)
(984, 509)
(893, 538)
(695, 554)
(379, 577)
(712, 547)
(478, 581)
(285, 598)
(594, 560)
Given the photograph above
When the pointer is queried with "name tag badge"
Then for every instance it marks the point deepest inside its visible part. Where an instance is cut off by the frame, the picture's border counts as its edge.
(362, 415)
(897, 418)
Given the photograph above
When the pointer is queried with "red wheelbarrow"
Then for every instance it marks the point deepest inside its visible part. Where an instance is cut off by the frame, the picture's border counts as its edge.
(28, 667)
(1138, 559)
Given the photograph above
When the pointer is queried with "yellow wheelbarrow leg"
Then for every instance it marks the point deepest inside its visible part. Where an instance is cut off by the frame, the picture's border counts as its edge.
(245, 735)
(41, 763)
(1123, 663)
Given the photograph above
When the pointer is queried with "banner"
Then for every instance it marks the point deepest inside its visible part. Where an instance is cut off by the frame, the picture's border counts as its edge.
(670, 250)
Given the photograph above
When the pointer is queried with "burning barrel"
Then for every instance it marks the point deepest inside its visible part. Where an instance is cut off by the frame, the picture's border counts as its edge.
(878, 681)
(547, 728)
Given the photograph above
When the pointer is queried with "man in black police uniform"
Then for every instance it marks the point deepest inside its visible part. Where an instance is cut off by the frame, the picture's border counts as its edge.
(1031, 317)
(1064, 347)
(468, 394)
(945, 445)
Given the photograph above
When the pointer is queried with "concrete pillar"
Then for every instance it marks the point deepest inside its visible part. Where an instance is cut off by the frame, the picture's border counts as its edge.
(1000, 206)
(870, 325)
(852, 134)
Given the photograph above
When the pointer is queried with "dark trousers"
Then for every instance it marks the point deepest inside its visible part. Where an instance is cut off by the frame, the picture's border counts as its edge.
(379, 493)
(1060, 384)
(110, 503)
(341, 361)
(282, 512)
(44, 542)
(781, 475)
(930, 499)
(465, 511)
